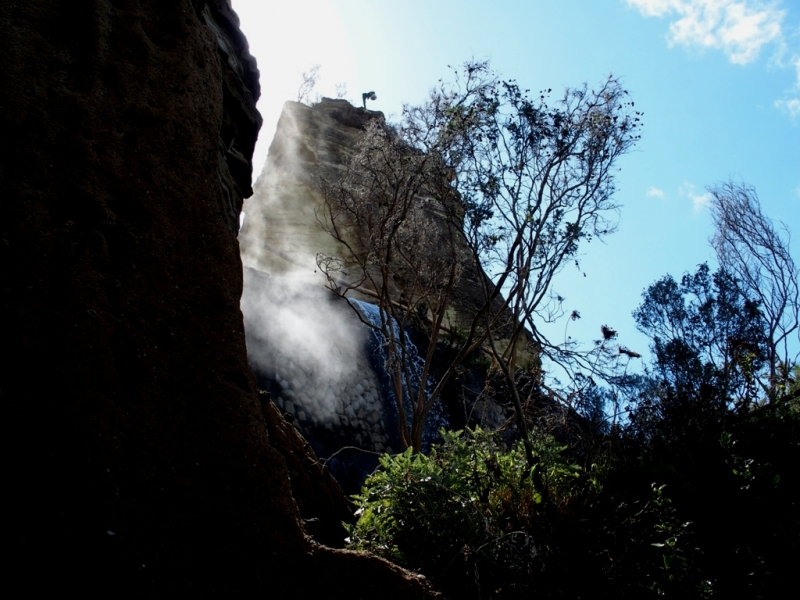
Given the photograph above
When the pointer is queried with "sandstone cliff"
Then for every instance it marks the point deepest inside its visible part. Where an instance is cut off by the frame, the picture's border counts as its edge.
(140, 459)
(282, 232)
(282, 235)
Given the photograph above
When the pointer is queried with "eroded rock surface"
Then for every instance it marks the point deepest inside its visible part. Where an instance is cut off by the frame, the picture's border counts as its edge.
(140, 460)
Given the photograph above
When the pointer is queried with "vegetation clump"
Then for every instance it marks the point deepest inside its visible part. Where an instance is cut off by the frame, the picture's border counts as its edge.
(471, 508)
(695, 494)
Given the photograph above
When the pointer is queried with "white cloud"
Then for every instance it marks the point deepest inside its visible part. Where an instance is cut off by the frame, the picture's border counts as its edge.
(790, 103)
(740, 28)
(797, 191)
(790, 106)
(652, 8)
(699, 201)
(654, 192)
(797, 69)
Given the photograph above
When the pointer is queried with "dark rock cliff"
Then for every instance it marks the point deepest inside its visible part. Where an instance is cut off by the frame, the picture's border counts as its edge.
(140, 461)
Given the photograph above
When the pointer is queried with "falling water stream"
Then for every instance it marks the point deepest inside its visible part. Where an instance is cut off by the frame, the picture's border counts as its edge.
(436, 419)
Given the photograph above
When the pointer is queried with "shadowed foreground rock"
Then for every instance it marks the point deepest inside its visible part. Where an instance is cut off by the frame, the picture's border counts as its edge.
(139, 459)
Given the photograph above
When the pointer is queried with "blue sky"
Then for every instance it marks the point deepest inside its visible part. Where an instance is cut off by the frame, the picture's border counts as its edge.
(718, 82)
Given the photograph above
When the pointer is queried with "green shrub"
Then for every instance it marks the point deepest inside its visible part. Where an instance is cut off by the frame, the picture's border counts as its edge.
(469, 513)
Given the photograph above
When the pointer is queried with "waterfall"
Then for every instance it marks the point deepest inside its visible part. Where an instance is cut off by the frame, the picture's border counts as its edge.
(371, 313)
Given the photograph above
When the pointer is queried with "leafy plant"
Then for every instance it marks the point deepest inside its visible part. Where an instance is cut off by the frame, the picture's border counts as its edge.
(671, 532)
(471, 508)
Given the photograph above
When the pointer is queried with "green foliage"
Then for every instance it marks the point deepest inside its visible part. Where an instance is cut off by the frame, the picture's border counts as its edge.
(475, 519)
(715, 419)
(709, 345)
(676, 567)
(471, 506)
(721, 521)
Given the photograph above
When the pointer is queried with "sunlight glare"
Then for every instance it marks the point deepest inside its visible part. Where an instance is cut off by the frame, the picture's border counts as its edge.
(286, 43)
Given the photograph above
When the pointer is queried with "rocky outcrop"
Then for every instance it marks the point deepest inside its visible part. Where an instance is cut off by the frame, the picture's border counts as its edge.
(140, 460)
(282, 235)
(284, 229)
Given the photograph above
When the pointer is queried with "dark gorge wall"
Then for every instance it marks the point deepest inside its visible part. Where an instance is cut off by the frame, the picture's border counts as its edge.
(139, 459)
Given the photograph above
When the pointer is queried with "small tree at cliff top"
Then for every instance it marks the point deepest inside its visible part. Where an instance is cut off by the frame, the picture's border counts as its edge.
(514, 184)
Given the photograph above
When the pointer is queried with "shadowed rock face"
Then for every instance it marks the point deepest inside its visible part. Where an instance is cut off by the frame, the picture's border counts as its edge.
(140, 459)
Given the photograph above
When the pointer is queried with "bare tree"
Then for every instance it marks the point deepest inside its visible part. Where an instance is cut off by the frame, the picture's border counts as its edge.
(750, 247)
(536, 181)
(309, 80)
(541, 181)
(396, 215)
(517, 186)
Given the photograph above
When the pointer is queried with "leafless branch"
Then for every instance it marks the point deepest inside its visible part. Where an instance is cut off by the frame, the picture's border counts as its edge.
(756, 252)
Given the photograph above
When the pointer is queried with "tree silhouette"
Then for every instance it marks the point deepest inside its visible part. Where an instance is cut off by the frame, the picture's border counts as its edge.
(480, 176)
(750, 247)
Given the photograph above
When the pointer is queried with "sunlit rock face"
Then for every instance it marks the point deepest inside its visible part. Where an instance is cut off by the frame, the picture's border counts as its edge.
(141, 461)
(309, 348)
(281, 234)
